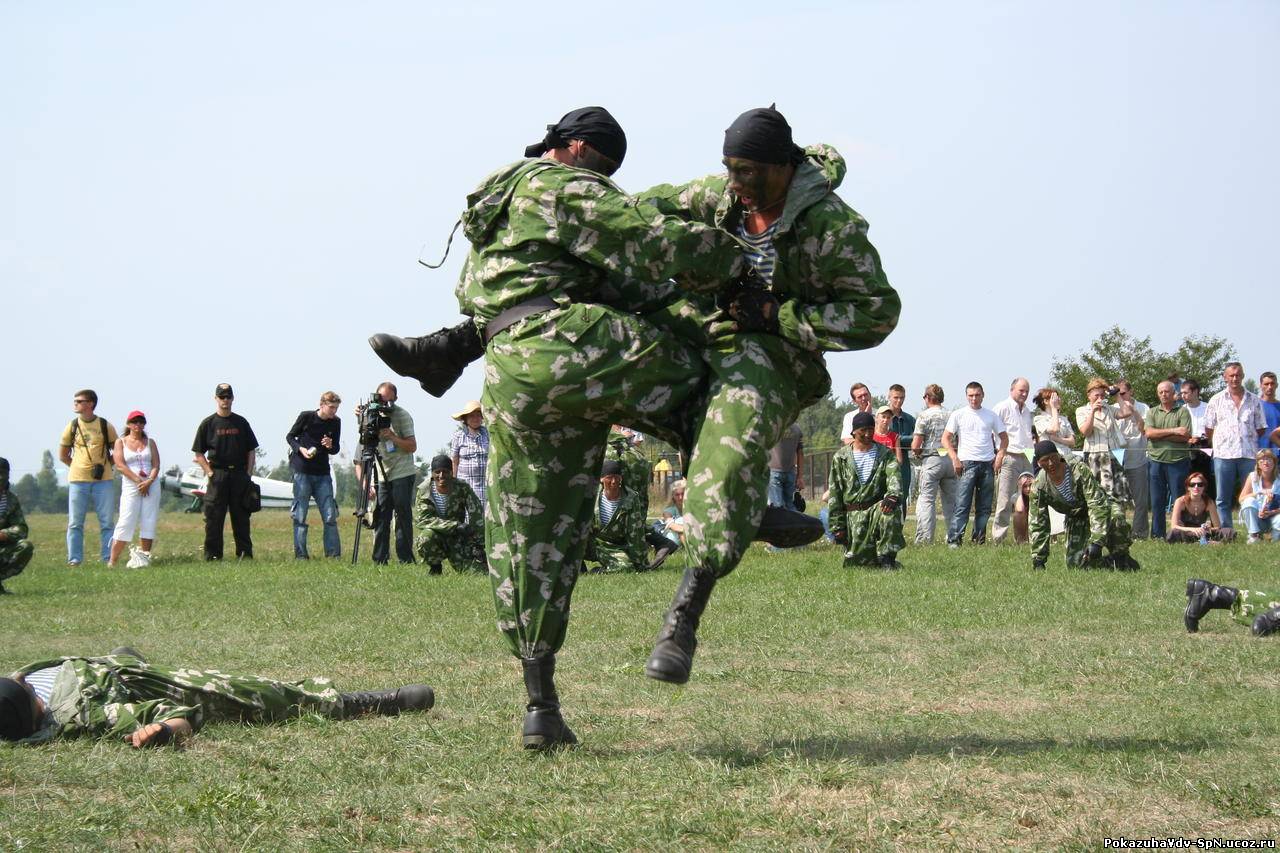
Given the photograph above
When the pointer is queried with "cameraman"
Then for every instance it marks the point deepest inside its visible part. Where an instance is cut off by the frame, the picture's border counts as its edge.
(395, 448)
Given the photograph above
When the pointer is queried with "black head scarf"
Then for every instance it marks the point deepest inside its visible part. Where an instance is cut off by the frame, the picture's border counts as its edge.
(593, 125)
(16, 718)
(764, 136)
(611, 466)
(441, 463)
(1044, 448)
(4, 473)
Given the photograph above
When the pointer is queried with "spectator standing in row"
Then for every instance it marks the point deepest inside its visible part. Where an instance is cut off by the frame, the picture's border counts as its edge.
(314, 437)
(1201, 449)
(970, 439)
(1168, 431)
(1015, 414)
(225, 449)
(137, 458)
(394, 495)
(85, 448)
(1270, 408)
(1099, 423)
(1234, 422)
(861, 396)
(15, 550)
(884, 435)
(786, 468)
(470, 447)
(1049, 424)
(902, 425)
(1133, 431)
(937, 476)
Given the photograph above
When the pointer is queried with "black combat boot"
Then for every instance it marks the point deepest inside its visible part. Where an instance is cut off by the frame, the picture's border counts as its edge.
(1124, 562)
(662, 548)
(544, 728)
(672, 656)
(1202, 597)
(785, 528)
(436, 569)
(889, 561)
(388, 703)
(1267, 623)
(435, 360)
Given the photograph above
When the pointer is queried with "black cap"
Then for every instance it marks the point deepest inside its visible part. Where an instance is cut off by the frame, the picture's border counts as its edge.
(16, 718)
(762, 135)
(223, 390)
(593, 125)
(441, 463)
(4, 469)
(611, 466)
(1045, 448)
(862, 420)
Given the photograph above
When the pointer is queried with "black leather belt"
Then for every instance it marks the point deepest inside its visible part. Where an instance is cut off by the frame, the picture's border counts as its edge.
(508, 318)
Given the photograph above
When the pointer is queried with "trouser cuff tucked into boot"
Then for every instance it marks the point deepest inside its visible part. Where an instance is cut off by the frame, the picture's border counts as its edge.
(672, 656)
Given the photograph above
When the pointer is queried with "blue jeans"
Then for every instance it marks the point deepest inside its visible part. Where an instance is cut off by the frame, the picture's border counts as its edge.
(1258, 526)
(320, 487)
(1230, 474)
(977, 482)
(1164, 481)
(102, 494)
(782, 487)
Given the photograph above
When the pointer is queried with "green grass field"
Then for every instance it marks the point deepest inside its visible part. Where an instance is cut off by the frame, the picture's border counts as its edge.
(963, 701)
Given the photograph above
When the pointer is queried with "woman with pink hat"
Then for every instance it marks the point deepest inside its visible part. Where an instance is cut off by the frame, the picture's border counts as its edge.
(138, 460)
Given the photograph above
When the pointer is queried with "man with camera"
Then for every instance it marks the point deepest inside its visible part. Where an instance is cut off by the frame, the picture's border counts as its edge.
(225, 449)
(85, 448)
(394, 444)
(313, 438)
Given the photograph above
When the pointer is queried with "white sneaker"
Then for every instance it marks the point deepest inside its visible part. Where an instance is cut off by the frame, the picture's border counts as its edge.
(1254, 539)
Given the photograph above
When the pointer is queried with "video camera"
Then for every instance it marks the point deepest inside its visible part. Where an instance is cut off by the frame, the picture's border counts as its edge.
(375, 416)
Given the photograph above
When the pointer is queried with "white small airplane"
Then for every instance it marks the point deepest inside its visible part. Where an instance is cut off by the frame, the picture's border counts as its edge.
(276, 494)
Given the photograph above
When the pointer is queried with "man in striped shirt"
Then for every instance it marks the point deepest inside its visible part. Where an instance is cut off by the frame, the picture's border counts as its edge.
(866, 491)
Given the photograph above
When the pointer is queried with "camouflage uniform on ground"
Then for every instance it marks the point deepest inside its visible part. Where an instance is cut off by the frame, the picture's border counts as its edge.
(16, 550)
(833, 296)
(556, 380)
(855, 507)
(1092, 517)
(1251, 602)
(117, 694)
(458, 535)
(619, 546)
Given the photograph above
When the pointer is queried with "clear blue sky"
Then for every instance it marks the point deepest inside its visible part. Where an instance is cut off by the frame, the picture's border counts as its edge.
(197, 193)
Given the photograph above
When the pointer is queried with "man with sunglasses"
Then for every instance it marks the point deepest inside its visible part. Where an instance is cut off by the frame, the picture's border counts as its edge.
(85, 448)
(225, 449)
(1094, 519)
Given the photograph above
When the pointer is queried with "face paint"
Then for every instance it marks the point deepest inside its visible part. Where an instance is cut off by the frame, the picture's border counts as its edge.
(759, 186)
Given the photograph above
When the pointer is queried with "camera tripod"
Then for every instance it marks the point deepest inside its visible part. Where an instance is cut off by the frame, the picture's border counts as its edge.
(372, 476)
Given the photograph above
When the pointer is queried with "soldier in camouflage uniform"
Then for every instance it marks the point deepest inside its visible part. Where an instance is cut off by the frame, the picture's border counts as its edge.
(863, 506)
(550, 236)
(1252, 607)
(15, 550)
(618, 544)
(817, 286)
(449, 520)
(637, 473)
(1094, 519)
(122, 695)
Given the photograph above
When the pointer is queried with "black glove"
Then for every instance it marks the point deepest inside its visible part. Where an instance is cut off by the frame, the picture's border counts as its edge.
(841, 537)
(889, 504)
(1093, 553)
(754, 310)
(1037, 563)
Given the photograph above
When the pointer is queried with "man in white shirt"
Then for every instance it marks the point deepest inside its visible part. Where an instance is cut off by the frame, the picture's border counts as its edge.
(1134, 431)
(975, 461)
(861, 395)
(1201, 448)
(1016, 417)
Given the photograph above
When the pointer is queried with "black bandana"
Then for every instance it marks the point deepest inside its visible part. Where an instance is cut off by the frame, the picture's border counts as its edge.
(593, 125)
(16, 719)
(762, 135)
(611, 466)
(441, 463)
(1044, 448)
(4, 473)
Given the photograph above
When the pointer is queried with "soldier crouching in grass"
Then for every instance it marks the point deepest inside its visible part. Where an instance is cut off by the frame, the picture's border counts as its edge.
(449, 521)
(617, 532)
(1260, 610)
(15, 550)
(866, 490)
(1094, 519)
(122, 695)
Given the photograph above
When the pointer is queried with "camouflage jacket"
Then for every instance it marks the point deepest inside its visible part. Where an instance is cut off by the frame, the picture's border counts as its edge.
(636, 470)
(1090, 501)
(462, 509)
(845, 488)
(541, 228)
(833, 292)
(13, 523)
(625, 529)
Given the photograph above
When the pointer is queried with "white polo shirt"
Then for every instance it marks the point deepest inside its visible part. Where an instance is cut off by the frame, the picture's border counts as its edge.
(1016, 423)
(976, 433)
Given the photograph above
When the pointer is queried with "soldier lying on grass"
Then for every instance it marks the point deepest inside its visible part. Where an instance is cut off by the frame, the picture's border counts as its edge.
(122, 695)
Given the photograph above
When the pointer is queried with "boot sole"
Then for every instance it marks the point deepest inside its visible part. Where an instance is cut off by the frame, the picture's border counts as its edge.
(666, 675)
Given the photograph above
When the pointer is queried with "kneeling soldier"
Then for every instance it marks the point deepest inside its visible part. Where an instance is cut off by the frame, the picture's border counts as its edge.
(866, 491)
(1094, 519)
(15, 550)
(450, 521)
(617, 527)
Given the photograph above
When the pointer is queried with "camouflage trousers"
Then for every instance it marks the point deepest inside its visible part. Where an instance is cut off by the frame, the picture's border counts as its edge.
(758, 385)
(1250, 602)
(872, 534)
(14, 557)
(463, 548)
(1079, 533)
(612, 558)
(553, 386)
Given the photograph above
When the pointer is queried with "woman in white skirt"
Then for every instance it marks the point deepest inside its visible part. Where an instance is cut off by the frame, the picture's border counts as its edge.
(138, 461)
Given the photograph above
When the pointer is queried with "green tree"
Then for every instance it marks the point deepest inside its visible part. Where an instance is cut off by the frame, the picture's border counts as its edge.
(1116, 354)
(282, 472)
(53, 498)
(821, 422)
(27, 491)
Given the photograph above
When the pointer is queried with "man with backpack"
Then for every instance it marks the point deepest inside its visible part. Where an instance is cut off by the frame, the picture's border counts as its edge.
(85, 448)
